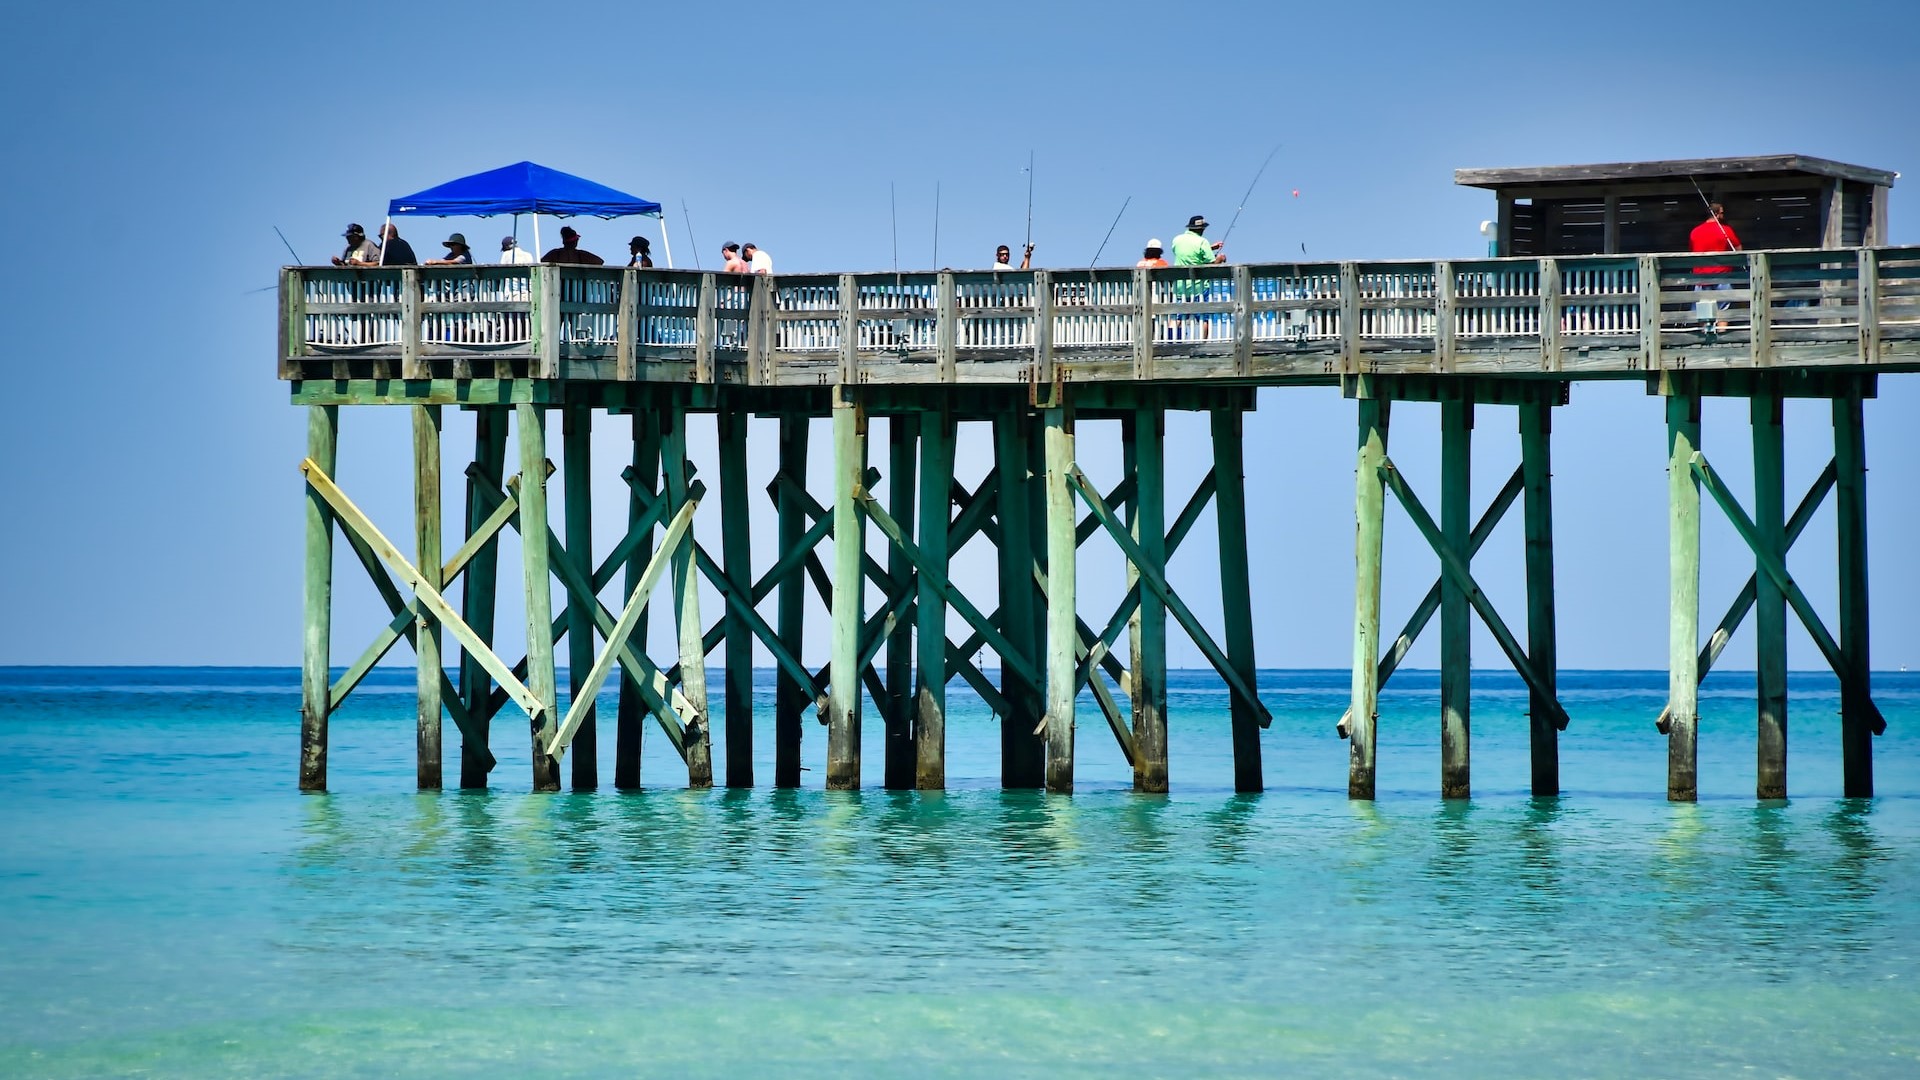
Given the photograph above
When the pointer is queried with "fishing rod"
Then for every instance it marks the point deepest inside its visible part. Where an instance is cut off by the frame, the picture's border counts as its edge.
(1249, 194)
(297, 261)
(688, 218)
(1029, 240)
(936, 223)
(893, 215)
(1110, 228)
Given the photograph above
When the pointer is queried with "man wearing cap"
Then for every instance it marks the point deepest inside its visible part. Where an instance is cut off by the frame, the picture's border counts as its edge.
(360, 250)
(1154, 256)
(1190, 248)
(640, 252)
(512, 254)
(758, 262)
(458, 253)
(570, 251)
(730, 252)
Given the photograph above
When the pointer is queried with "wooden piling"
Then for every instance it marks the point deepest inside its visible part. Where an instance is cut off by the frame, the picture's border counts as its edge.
(429, 667)
(1063, 632)
(1770, 604)
(1536, 470)
(930, 696)
(849, 544)
(631, 720)
(478, 590)
(1022, 745)
(1370, 504)
(316, 675)
(535, 557)
(790, 702)
(1683, 595)
(899, 753)
(576, 437)
(1456, 613)
(1856, 710)
(686, 602)
(1148, 512)
(1236, 589)
(736, 530)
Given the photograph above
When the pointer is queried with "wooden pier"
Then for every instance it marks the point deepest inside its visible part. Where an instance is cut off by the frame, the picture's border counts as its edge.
(1040, 358)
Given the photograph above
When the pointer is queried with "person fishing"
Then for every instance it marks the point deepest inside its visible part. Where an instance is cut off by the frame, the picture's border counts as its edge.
(1003, 258)
(1714, 235)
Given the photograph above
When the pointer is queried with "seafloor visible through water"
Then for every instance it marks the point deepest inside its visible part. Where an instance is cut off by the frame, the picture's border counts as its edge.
(172, 906)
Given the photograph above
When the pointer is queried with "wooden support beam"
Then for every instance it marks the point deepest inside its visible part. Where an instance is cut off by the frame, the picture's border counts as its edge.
(736, 530)
(930, 693)
(791, 615)
(478, 585)
(316, 646)
(1062, 633)
(1649, 280)
(1536, 473)
(1456, 613)
(1770, 608)
(1869, 300)
(630, 724)
(538, 571)
(430, 670)
(1369, 505)
(849, 545)
(1236, 589)
(576, 436)
(1022, 747)
(1857, 715)
(1147, 514)
(674, 466)
(899, 752)
(1683, 598)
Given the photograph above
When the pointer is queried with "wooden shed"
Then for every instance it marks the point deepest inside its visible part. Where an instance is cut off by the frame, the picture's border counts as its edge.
(1778, 201)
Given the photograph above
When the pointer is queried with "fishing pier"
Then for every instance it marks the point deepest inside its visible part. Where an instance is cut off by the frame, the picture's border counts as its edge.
(1040, 359)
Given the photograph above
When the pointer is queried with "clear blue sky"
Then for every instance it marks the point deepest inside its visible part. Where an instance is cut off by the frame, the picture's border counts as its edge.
(154, 506)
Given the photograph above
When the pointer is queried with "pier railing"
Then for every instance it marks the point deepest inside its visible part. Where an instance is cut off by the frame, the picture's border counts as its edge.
(1589, 314)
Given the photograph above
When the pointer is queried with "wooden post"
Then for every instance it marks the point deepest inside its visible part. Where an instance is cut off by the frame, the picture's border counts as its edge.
(686, 599)
(1022, 751)
(1370, 505)
(1456, 613)
(1683, 594)
(535, 559)
(1770, 605)
(477, 590)
(1063, 632)
(849, 604)
(631, 722)
(899, 751)
(930, 697)
(1236, 588)
(1856, 730)
(1148, 512)
(1536, 467)
(736, 529)
(316, 675)
(576, 436)
(430, 669)
(789, 701)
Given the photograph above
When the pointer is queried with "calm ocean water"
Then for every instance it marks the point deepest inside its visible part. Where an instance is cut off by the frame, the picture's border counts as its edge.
(172, 906)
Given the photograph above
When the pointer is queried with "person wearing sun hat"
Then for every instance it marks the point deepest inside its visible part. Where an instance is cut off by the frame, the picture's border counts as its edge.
(1190, 248)
(458, 253)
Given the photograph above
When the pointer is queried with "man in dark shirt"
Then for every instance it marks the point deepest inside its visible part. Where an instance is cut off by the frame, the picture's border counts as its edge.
(395, 251)
(570, 251)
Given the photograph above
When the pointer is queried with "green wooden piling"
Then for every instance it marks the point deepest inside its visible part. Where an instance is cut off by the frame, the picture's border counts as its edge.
(1236, 589)
(1683, 595)
(478, 590)
(429, 667)
(900, 753)
(790, 702)
(535, 559)
(1770, 604)
(930, 696)
(1856, 727)
(630, 724)
(576, 436)
(736, 530)
(323, 433)
(849, 543)
(1148, 511)
(1456, 613)
(1022, 748)
(686, 603)
(1536, 470)
(1063, 632)
(1370, 504)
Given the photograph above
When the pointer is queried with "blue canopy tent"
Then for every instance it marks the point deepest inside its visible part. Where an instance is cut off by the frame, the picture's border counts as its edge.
(527, 188)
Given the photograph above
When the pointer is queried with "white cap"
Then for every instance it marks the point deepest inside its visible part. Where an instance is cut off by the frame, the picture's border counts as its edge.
(1155, 243)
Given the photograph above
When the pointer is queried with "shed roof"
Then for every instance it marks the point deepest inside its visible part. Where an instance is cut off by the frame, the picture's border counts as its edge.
(1766, 165)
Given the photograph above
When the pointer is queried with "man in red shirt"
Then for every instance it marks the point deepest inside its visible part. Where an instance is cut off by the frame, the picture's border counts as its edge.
(1714, 234)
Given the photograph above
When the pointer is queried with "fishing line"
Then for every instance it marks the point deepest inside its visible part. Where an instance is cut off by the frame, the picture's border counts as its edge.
(1249, 194)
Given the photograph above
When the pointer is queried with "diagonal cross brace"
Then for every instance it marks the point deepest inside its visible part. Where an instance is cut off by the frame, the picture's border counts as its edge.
(1456, 568)
(1151, 576)
(1182, 525)
(1771, 565)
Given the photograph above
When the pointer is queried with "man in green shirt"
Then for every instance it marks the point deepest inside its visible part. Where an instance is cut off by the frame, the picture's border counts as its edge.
(1190, 248)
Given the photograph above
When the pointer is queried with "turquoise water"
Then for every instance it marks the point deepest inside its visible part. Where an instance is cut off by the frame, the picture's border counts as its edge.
(172, 906)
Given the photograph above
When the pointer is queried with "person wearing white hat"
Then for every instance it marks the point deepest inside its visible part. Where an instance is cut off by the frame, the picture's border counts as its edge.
(1155, 255)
